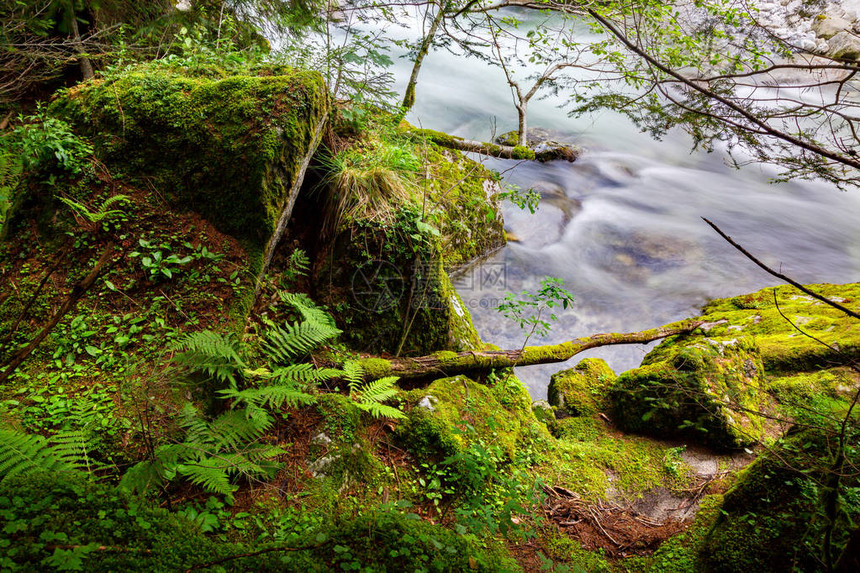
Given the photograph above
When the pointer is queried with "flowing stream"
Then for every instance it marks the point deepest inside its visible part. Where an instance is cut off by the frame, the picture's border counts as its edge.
(622, 225)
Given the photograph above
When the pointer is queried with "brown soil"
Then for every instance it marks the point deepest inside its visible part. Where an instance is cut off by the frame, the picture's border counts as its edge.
(618, 531)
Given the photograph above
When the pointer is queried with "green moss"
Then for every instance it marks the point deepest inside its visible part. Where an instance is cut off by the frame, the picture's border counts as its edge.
(376, 368)
(783, 348)
(229, 149)
(772, 520)
(523, 152)
(463, 206)
(580, 391)
(341, 418)
(390, 291)
(592, 460)
(498, 414)
(704, 389)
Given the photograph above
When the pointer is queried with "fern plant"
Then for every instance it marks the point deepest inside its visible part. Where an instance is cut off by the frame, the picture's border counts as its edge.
(10, 176)
(212, 455)
(104, 213)
(215, 354)
(369, 396)
(22, 453)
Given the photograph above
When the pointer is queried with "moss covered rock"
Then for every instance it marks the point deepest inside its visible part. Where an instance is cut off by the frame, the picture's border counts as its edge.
(580, 391)
(467, 412)
(773, 517)
(783, 348)
(705, 389)
(463, 196)
(390, 292)
(233, 150)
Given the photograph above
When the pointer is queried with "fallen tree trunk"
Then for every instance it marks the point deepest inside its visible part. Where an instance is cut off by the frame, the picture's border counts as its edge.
(492, 149)
(441, 364)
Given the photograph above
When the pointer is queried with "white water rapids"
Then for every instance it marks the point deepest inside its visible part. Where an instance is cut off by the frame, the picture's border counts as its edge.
(622, 225)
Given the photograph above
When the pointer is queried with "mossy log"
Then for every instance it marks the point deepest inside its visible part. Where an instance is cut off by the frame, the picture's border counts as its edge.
(493, 149)
(452, 363)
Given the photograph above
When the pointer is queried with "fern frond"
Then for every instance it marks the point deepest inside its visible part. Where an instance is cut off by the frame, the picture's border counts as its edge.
(369, 396)
(209, 476)
(353, 373)
(381, 410)
(379, 390)
(215, 354)
(308, 309)
(110, 201)
(73, 448)
(100, 214)
(271, 396)
(285, 345)
(298, 373)
(22, 453)
(231, 430)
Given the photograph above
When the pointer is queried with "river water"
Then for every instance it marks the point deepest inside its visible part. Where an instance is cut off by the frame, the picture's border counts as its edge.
(622, 225)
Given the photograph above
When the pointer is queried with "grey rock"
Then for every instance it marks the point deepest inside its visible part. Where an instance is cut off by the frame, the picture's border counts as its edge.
(427, 402)
(844, 45)
(829, 26)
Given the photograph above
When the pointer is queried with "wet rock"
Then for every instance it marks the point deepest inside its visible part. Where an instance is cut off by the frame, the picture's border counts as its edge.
(580, 391)
(705, 389)
(827, 25)
(543, 411)
(844, 45)
(320, 439)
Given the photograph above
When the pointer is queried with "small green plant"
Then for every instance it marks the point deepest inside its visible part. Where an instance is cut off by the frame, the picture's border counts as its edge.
(158, 262)
(528, 199)
(103, 216)
(47, 143)
(673, 463)
(529, 311)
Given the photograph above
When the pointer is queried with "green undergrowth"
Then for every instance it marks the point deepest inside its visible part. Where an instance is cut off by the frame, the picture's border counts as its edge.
(56, 522)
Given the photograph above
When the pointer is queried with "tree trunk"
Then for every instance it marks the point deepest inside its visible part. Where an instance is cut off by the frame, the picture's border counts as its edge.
(83, 60)
(426, 42)
(522, 131)
(443, 364)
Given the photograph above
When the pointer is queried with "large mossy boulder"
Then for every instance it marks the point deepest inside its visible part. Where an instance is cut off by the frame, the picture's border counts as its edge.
(703, 389)
(453, 413)
(773, 316)
(773, 518)
(580, 391)
(390, 291)
(232, 149)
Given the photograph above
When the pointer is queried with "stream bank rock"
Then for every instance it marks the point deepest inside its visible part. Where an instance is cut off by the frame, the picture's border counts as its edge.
(580, 391)
(704, 389)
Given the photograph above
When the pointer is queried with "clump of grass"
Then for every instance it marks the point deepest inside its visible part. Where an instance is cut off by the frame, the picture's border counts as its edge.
(369, 181)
